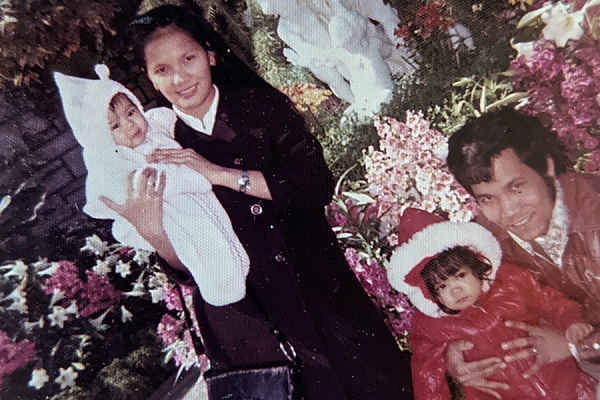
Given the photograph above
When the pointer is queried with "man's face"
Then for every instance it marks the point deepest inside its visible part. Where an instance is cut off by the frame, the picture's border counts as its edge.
(517, 199)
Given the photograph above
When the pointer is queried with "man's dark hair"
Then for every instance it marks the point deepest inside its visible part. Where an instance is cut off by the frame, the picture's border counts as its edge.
(472, 148)
(447, 264)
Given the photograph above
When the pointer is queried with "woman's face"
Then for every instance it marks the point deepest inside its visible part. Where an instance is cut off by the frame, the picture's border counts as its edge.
(179, 68)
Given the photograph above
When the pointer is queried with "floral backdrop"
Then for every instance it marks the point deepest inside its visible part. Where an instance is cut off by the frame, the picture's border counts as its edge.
(84, 317)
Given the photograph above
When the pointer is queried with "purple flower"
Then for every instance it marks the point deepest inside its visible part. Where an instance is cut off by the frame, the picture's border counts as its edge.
(99, 293)
(171, 297)
(169, 328)
(14, 355)
(66, 279)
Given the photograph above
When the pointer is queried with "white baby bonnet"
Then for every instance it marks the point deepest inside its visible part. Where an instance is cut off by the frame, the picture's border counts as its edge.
(85, 102)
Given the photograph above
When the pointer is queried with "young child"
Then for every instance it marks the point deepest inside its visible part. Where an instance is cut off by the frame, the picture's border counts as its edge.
(453, 275)
(116, 135)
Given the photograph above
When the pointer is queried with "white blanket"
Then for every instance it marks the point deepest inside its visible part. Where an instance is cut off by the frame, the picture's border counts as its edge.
(196, 224)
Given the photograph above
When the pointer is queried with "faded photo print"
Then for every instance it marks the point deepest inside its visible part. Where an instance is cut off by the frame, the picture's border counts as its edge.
(299, 199)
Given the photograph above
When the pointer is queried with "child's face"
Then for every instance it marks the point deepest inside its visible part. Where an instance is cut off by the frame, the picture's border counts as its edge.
(128, 126)
(460, 291)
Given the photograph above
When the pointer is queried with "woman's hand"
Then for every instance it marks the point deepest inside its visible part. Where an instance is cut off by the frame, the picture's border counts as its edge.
(143, 206)
(474, 373)
(189, 158)
(216, 174)
(544, 342)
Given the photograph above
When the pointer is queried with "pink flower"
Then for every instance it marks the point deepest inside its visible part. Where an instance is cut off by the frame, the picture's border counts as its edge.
(14, 355)
(169, 328)
(171, 297)
(66, 279)
(99, 293)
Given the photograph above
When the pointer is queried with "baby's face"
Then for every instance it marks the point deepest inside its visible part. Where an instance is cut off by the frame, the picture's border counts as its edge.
(128, 126)
(460, 291)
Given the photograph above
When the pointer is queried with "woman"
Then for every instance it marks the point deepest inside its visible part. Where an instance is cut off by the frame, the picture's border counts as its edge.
(269, 174)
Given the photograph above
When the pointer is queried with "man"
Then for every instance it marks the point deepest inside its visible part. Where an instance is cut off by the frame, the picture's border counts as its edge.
(546, 219)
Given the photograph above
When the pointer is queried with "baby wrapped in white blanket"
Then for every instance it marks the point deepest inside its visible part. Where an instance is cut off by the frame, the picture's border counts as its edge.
(109, 121)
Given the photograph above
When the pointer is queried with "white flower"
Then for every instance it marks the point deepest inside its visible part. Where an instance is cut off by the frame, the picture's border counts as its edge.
(18, 269)
(72, 309)
(58, 317)
(142, 257)
(102, 268)
(19, 305)
(95, 245)
(39, 377)
(52, 268)
(57, 295)
(122, 269)
(125, 315)
(97, 322)
(138, 289)
(157, 279)
(461, 35)
(4, 203)
(18, 297)
(156, 295)
(561, 25)
(66, 377)
(524, 49)
(28, 326)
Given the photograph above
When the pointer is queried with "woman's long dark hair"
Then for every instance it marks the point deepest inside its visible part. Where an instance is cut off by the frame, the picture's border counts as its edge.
(230, 69)
(447, 264)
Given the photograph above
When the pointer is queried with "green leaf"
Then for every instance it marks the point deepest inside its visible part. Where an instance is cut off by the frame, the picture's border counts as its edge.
(463, 82)
(360, 197)
(511, 98)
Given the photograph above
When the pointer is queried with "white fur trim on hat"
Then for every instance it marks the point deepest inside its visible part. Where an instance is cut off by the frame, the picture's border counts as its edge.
(432, 240)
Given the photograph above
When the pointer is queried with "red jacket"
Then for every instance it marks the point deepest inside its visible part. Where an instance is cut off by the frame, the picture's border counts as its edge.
(579, 278)
(514, 295)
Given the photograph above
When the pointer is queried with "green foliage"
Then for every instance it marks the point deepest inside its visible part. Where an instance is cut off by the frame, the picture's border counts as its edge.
(441, 64)
(343, 147)
(227, 17)
(271, 64)
(471, 97)
(36, 32)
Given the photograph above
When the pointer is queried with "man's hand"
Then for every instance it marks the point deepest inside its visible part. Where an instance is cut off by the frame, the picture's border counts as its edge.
(577, 331)
(473, 374)
(588, 349)
(544, 342)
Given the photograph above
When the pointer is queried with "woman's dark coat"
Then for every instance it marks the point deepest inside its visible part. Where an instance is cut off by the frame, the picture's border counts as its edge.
(297, 269)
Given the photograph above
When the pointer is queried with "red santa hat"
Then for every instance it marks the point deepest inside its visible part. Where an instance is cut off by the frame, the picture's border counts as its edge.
(422, 236)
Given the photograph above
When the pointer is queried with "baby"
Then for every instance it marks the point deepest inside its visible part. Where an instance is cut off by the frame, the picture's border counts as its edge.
(116, 136)
(452, 274)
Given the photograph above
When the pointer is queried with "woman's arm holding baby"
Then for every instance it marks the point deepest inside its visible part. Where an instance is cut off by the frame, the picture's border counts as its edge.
(143, 208)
